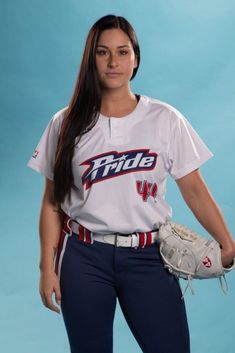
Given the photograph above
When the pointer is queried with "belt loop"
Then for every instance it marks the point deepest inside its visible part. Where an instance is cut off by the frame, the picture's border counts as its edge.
(115, 240)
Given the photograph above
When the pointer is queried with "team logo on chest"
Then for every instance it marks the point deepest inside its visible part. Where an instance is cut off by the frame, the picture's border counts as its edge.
(113, 164)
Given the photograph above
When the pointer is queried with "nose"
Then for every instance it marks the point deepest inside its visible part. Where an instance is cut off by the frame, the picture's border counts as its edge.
(112, 61)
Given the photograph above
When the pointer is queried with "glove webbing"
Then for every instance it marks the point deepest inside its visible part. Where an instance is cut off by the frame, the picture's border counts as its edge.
(222, 280)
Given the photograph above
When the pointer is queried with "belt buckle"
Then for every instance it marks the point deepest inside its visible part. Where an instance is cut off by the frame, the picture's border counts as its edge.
(134, 240)
(116, 242)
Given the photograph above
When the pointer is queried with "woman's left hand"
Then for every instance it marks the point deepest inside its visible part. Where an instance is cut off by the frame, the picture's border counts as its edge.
(228, 256)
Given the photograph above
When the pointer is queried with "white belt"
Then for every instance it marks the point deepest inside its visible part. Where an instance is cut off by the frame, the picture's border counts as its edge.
(131, 240)
(134, 240)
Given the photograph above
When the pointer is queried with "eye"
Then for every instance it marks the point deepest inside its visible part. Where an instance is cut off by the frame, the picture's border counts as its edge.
(123, 52)
(101, 52)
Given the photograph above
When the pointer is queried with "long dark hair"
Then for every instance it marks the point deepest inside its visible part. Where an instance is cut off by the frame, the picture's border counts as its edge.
(84, 106)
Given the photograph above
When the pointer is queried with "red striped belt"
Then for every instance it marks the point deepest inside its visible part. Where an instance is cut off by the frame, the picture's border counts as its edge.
(137, 239)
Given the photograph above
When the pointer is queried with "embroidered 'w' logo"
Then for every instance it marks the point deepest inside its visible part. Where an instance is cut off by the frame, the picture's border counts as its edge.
(146, 189)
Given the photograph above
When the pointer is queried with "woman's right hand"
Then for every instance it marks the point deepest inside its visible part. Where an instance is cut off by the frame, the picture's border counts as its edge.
(49, 284)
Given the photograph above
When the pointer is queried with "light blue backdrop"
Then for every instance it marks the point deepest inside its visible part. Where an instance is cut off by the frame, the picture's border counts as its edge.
(188, 60)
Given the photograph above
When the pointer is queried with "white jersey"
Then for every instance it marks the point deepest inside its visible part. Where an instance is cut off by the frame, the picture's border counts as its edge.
(121, 165)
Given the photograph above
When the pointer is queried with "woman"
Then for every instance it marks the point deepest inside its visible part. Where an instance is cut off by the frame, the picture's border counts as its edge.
(106, 158)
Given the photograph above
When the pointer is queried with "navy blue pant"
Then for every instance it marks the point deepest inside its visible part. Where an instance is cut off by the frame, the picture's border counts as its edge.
(94, 276)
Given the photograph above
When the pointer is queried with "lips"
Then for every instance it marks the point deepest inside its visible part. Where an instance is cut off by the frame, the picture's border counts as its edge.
(113, 74)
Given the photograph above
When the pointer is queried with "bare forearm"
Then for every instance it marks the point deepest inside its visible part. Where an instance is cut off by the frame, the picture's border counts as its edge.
(49, 229)
(209, 215)
(205, 209)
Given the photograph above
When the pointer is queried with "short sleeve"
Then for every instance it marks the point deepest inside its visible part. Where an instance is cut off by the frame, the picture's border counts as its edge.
(43, 158)
(187, 151)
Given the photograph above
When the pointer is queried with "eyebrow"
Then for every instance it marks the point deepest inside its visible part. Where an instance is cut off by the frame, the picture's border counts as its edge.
(119, 46)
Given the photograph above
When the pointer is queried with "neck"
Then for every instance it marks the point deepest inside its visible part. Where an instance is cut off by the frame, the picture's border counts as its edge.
(117, 103)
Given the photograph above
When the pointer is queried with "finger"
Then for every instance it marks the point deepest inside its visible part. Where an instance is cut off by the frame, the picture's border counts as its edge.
(58, 295)
(227, 261)
(50, 305)
(43, 299)
(47, 301)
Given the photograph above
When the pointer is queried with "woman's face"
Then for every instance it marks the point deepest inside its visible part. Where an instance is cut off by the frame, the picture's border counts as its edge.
(115, 59)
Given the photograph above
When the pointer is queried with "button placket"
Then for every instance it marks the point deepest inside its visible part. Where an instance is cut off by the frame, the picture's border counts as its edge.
(116, 130)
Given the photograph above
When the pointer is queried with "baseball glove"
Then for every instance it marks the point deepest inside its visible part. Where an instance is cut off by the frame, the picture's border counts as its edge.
(188, 255)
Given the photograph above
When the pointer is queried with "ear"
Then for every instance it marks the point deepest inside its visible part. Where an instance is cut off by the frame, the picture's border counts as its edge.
(135, 62)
